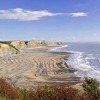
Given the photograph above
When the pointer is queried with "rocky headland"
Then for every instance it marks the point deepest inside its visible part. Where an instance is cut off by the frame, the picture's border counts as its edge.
(14, 47)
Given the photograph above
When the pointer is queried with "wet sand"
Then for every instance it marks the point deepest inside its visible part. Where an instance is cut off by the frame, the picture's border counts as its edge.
(37, 67)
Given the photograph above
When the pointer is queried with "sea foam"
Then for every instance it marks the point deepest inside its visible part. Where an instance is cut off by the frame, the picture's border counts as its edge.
(81, 61)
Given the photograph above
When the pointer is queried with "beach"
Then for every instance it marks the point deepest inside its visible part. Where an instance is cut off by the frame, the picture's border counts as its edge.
(37, 66)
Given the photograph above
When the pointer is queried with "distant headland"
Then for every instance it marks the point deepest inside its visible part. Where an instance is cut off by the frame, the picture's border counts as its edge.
(14, 47)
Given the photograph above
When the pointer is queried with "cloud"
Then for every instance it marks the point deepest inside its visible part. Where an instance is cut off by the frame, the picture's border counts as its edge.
(25, 15)
(78, 14)
(29, 15)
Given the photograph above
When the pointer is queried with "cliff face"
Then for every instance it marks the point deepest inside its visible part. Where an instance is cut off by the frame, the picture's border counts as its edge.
(18, 44)
(33, 43)
(42, 43)
(52, 43)
(6, 49)
(14, 47)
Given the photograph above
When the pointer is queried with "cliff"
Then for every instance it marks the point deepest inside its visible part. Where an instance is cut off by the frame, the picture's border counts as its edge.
(6, 49)
(18, 44)
(43, 43)
(13, 47)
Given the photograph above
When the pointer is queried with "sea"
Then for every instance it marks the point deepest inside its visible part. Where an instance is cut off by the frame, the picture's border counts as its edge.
(85, 58)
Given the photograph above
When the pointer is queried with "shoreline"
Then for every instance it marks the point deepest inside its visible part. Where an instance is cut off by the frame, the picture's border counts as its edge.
(38, 67)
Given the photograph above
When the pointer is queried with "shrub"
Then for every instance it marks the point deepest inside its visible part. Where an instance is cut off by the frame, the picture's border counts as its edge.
(54, 93)
(63, 93)
(87, 96)
(44, 93)
(23, 94)
(44, 43)
(91, 86)
(7, 90)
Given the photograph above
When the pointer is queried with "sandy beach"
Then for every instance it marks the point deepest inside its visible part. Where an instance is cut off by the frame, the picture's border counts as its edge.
(37, 67)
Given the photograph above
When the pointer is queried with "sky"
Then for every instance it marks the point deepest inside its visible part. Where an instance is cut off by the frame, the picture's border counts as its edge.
(57, 20)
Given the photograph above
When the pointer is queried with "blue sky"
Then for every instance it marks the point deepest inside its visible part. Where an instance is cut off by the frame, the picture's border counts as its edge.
(59, 20)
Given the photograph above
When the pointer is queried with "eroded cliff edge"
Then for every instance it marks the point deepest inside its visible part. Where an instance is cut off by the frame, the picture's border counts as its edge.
(16, 46)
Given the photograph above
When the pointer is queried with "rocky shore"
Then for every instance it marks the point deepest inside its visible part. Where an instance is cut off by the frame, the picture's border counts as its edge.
(36, 66)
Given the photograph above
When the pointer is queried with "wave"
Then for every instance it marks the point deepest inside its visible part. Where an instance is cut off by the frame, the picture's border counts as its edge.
(81, 62)
(90, 56)
(58, 49)
(83, 67)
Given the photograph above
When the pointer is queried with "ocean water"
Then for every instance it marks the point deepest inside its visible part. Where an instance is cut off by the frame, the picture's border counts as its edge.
(85, 58)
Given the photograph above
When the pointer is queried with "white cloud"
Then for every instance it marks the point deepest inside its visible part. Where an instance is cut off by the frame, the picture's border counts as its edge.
(78, 14)
(29, 15)
(25, 15)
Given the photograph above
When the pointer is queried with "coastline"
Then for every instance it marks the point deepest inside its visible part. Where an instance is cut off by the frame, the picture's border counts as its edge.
(38, 67)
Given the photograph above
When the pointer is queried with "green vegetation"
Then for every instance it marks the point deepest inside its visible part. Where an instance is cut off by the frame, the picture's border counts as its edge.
(91, 86)
(26, 42)
(44, 43)
(59, 43)
(6, 42)
(9, 92)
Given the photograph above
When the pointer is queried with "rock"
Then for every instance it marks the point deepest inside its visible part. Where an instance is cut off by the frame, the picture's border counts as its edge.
(6, 49)
(18, 44)
(33, 43)
(42, 43)
(13, 47)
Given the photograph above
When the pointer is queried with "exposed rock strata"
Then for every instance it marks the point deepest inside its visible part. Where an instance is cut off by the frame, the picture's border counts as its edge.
(6, 49)
(42, 43)
(18, 44)
(36, 67)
